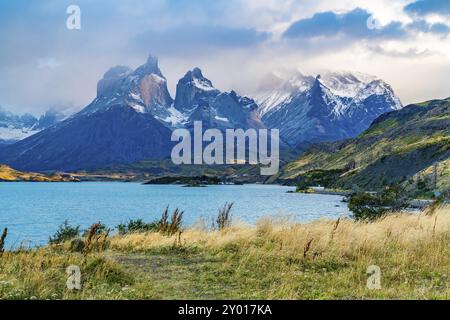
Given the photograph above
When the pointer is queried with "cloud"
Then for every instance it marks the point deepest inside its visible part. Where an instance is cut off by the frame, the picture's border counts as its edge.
(50, 63)
(194, 38)
(426, 7)
(424, 26)
(234, 41)
(357, 23)
(408, 53)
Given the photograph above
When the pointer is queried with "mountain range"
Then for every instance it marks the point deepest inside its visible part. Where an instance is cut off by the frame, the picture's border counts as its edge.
(133, 115)
(14, 127)
(328, 107)
(410, 146)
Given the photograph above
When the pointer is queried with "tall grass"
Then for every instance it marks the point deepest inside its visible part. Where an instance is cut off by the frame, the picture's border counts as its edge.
(324, 259)
(2, 240)
(96, 238)
(173, 225)
(224, 218)
(276, 259)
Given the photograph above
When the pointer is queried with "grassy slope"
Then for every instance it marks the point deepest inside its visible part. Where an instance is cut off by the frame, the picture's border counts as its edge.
(9, 174)
(267, 262)
(397, 146)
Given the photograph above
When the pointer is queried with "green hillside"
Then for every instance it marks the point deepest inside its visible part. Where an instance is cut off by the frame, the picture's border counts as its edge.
(409, 146)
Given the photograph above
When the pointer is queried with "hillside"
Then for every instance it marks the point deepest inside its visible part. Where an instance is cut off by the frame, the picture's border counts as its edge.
(406, 146)
(10, 175)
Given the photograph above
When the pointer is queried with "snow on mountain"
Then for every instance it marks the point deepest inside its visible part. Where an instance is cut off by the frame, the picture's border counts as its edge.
(277, 91)
(14, 128)
(144, 90)
(193, 88)
(133, 115)
(130, 119)
(331, 106)
(198, 100)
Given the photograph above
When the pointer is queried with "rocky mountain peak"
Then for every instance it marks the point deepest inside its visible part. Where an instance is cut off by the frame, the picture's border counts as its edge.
(192, 88)
(144, 90)
(149, 67)
(111, 79)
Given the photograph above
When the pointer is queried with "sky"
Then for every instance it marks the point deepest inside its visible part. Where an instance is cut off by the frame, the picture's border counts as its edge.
(236, 43)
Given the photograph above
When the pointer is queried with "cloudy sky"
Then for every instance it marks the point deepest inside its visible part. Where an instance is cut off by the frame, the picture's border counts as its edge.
(235, 42)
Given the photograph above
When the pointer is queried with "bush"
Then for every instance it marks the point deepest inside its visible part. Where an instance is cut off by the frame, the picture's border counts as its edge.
(64, 233)
(326, 178)
(2, 240)
(75, 245)
(101, 229)
(136, 226)
(166, 225)
(368, 207)
(96, 238)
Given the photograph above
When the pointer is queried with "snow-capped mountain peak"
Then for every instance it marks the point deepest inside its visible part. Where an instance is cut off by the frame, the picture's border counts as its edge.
(144, 90)
(14, 127)
(279, 89)
(330, 106)
(191, 88)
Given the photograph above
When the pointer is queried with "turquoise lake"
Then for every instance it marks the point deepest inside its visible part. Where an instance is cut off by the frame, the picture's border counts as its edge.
(33, 211)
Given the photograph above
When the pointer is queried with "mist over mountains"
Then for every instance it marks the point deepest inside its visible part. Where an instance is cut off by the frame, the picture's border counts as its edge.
(14, 127)
(133, 115)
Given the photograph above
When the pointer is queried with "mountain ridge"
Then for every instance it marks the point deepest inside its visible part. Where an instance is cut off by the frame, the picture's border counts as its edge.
(331, 107)
(14, 127)
(397, 147)
(133, 115)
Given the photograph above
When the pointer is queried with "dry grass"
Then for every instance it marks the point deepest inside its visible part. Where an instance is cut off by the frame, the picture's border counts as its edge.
(275, 260)
(95, 240)
(412, 250)
(170, 227)
(405, 230)
(223, 219)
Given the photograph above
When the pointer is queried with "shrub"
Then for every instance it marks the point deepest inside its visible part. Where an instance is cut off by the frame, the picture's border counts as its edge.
(136, 226)
(368, 207)
(75, 245)
(100, 229)
(326, 178)
(167, 225)
(95, 238)
(65, 232)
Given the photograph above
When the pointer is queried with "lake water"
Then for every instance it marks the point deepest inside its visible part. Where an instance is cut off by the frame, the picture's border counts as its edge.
(33, 211)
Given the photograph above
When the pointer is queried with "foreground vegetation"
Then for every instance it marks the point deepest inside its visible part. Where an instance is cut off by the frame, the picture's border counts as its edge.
(274, 260)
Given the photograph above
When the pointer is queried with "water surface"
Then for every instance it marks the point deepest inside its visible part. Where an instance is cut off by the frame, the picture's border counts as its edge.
(33, 211)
